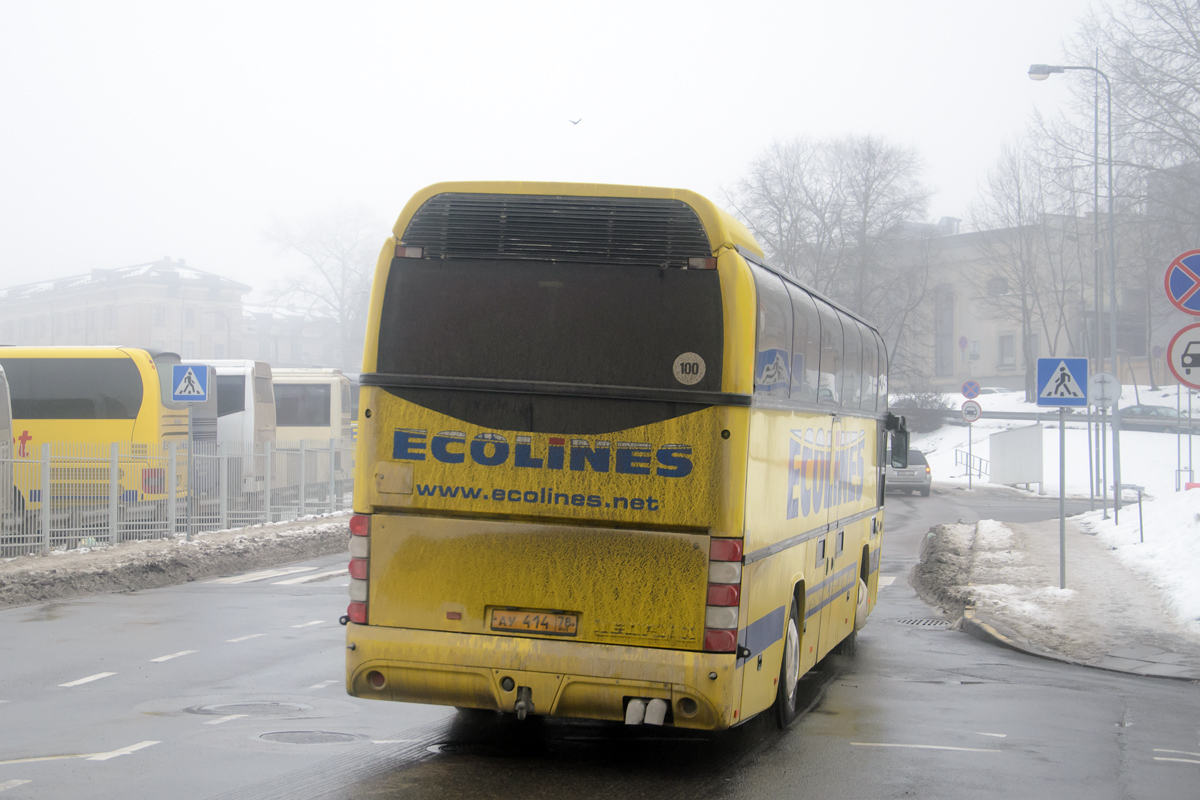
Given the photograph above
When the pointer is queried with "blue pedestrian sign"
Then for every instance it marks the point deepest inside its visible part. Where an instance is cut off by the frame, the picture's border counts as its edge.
(1062, 382)
(970, 390)
(189, 383)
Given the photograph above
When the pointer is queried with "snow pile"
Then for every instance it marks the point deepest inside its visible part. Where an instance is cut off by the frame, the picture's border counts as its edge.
(1169, 558)
(152, 563)
(1009, 575)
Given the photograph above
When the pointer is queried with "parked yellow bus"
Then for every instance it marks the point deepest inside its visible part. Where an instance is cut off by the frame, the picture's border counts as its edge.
(83, 400)
(611, 465)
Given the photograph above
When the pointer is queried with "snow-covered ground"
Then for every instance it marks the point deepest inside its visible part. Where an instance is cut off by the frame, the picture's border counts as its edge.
(1169, 557)
(1147, 459)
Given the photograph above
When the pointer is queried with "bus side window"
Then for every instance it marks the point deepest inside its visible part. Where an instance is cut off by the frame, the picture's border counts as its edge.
(829, 388)
(851, 363)
(870, 374)
(882, 368)
(806, 345)
(774, 349)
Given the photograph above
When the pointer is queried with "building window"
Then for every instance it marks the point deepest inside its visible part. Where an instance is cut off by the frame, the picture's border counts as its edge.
(218, 351)
(91, 320)
(997, 287)
(160, 316)
(43, 328)
(60, 324)
(189, 317)
(974, 350)
(264, 349)
(189, 350)
(110, 318)
(1007, 350)
(8, 331)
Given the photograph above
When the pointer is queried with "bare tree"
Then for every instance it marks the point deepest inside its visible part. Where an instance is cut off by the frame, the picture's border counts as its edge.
(828, 211)
(1028, 272)
(338, 250)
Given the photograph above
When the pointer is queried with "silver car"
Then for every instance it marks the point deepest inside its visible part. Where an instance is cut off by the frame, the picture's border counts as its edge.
(915, 478)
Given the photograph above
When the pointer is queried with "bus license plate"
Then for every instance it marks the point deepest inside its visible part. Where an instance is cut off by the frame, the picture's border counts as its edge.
(546, 622)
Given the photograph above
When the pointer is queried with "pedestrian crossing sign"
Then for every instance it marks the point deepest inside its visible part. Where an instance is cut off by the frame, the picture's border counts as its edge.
(189, 382)
(1062, 382)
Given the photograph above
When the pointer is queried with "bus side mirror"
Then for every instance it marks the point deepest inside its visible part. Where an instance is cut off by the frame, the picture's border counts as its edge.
(899, 448)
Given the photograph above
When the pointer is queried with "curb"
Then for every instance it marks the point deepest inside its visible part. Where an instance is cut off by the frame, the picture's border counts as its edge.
(983, 631)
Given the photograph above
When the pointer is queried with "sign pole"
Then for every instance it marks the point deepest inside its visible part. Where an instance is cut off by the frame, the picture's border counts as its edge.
(970, 458)
(1062, 497)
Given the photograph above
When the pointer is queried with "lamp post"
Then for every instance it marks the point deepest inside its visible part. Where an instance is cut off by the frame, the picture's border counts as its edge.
(1040, 72)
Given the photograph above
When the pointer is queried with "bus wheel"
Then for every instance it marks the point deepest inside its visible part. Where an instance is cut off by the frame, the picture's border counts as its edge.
(860, 610)
(788, 693)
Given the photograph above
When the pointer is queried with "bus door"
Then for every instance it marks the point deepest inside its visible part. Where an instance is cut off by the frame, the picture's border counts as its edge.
(841, 571)
(820, 548)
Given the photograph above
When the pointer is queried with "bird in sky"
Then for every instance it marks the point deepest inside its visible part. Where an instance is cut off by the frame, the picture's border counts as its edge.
(575, 121)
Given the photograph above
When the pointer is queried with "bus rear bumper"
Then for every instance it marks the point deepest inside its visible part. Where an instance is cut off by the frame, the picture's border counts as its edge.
(571, 679)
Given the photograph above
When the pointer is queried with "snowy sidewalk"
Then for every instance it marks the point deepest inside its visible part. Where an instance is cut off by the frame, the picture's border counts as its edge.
(1003, 580)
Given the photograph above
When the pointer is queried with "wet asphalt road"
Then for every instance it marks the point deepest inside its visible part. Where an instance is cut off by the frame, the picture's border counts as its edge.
(233, 690)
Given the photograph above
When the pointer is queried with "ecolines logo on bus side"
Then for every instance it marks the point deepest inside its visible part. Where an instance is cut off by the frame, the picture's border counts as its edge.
(828, 474)
(493, 450)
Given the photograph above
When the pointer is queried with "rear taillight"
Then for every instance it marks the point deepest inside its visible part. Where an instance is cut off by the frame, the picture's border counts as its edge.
(154, 481)
(926, 469)
(360, 553)
(724, 595)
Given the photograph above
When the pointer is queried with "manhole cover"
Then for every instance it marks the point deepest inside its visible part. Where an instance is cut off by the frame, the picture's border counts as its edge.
(925, 623)
(309, 737)
(264, 709)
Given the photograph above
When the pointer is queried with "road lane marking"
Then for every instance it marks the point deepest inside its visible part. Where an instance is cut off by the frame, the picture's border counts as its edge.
(1177, 760)
(245, 638)
(997, 735)
(262, 575)
(1176, 752)
(886, 580)
(124, 751)
(306, 624)
(89, 756)
(343, 584)
(323, 684)
(307, 578)
(395, 741)
(220, 720)
(926, 747)
(89, 679)
(12, 784)
(175, 655)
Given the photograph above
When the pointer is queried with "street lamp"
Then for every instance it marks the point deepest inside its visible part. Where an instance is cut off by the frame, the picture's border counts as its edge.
(1040, 72)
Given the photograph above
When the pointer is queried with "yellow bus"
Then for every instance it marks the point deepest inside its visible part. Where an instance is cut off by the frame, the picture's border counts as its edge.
(611, 465)
(82, 400)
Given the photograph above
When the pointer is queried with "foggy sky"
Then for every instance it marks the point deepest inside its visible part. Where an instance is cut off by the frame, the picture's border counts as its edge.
(133, 131)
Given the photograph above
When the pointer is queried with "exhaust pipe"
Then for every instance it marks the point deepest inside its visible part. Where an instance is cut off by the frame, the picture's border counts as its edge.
(635, 712)
(524, 704)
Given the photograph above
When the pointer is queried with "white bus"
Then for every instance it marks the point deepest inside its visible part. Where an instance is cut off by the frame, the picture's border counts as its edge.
(245, 401)
(311, 405)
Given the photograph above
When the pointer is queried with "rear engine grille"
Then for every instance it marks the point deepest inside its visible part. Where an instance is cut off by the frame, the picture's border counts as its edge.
(584, 230)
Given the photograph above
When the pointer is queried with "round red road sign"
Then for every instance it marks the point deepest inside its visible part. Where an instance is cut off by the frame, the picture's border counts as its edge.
(1183, 355)
(1182, 282)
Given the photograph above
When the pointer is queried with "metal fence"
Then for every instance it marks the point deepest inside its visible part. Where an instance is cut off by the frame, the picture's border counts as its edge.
(73, 494)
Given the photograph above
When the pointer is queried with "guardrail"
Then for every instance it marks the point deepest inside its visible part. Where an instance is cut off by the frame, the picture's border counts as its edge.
(973, 463)
(72, 494)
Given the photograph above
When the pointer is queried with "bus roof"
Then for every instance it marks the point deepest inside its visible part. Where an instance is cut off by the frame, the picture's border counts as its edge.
(723, 229)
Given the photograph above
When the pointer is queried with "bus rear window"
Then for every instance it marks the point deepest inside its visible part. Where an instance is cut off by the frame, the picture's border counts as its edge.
(561, 323)
(231, 394)
(73, 388)
(302, 405)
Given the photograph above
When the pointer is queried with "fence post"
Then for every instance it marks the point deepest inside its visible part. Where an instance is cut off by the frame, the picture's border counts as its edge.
(303, 481)
(45, 504)
(267, 482)
(332, 475)
(172, 483)
(223, 483)
(114, 489)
